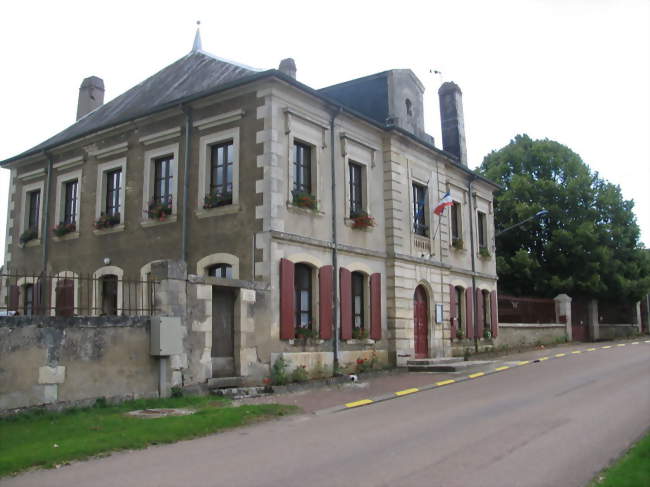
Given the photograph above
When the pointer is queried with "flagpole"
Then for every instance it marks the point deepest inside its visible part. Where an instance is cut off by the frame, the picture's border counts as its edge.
(437, 227)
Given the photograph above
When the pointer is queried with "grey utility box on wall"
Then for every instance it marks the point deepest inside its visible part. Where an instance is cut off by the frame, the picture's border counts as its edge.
(166, 337)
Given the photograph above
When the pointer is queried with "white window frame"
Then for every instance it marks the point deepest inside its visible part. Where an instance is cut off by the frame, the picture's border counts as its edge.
(205, 143)
(24, 211)
(307, 133)
(105, 271)
(102, 170)
(365, 187)
(61, 276)
(150, 158)
(60, 195)
(220, 258)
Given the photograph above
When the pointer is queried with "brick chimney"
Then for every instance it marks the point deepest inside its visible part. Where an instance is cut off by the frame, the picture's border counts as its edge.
(452, 121)
(288, 67)
(91, 95)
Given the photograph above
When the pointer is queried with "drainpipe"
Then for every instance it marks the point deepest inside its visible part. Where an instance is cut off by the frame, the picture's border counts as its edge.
(45, 235)
(186, 180)
(471, 243)
(335, 317)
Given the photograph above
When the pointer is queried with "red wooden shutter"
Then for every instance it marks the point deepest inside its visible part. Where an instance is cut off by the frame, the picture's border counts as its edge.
(469, 312)
(494, 311)
(375, 306)
(14, 298)
(345, 277)
(287, 300)
(452, 311)
(325, 301)
(480, 318)
(65, 297)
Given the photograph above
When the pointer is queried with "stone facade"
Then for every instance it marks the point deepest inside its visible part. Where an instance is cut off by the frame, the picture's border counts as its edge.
(264, 116)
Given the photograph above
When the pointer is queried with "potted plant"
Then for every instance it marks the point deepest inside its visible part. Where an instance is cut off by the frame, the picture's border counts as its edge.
(107, 221)
(159, 210)
(304, 200)
(487, 334)
(484, 252)
(457, 243)
(362, 220)
(27, 235)
(213, 200)
(64, 228)
(305, 333)
(359, 333)
(460, 334)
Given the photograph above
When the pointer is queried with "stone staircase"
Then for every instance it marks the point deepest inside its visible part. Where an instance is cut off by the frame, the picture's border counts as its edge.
(446, 364)
(233, 387)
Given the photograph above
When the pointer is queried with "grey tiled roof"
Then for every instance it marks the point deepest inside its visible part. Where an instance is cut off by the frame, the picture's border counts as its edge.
(197, 72)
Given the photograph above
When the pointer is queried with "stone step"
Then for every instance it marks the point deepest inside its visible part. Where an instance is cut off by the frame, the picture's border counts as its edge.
(222, 382)
(239, 392)
(435, 365)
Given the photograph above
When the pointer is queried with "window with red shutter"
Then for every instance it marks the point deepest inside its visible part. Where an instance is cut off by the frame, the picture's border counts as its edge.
(375, 306)
(325, 301)
(494, 311)
(452, 311)
(469, 312)
(345, 278)
(287, 300)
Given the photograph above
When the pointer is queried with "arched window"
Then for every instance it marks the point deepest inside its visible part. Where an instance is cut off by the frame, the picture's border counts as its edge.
(460, 298)
(358, 299)
(487, 312)
(220, 270)
(303, 289)
(28, 305)
(108, 287)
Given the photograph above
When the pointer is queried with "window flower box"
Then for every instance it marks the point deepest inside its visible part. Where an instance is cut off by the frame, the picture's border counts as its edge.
(460, 334)
(305, 333)
(362, 220)
(487, 334)
(359, 333)
(304, 200)
(107, 221)
(213, 200)
(28, 235)
(159, 210)
(458, 243)
(484, 252)
(64, 228)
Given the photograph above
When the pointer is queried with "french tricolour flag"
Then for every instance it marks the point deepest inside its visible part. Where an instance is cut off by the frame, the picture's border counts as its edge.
(444, 203)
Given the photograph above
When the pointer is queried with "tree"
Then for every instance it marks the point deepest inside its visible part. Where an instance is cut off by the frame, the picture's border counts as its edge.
(587, 245)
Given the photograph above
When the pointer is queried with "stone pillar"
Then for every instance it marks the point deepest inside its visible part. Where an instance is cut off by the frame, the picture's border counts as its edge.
(594, 322)
(563, 313)
(637, 315)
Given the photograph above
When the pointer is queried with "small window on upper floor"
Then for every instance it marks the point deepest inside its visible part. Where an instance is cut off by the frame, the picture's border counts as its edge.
(110, 209)
(356, 189)
(409, 107)
(482, 230)
(419, 210)
(221, 174)
(455, 215)
(301, 168)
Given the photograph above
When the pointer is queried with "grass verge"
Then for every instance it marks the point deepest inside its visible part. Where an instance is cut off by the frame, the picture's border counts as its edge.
(47, 439)
(632, 470)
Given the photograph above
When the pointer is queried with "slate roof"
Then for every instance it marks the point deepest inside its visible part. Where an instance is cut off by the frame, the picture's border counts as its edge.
(196, 73)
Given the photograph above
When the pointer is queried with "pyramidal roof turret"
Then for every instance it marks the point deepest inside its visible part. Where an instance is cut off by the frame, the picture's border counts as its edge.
(197, 37)
(195, 74)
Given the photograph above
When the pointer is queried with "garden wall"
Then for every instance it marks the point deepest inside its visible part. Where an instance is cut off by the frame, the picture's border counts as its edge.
(609, 332)
(517, 334)
(54, 359)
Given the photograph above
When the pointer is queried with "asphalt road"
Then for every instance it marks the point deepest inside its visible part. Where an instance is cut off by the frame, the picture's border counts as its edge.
(555, 423)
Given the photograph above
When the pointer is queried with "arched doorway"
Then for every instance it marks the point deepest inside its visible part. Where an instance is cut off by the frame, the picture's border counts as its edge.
(421, 322)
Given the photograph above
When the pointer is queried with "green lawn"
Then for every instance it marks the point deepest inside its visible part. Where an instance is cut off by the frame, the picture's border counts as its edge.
(633, 470)
(47, 439)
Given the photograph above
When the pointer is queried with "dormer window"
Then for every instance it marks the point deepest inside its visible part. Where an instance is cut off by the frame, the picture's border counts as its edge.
(409, 107)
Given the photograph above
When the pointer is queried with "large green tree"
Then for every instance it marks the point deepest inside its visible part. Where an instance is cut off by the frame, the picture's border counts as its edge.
(587, 244)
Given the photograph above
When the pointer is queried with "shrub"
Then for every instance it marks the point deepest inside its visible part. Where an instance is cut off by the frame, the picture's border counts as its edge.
(299, 374)
(177, 391)
(279, 372)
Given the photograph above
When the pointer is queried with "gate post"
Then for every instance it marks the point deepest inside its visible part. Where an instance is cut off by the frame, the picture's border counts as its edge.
(594, 322)
(638, 317)
(563, 313)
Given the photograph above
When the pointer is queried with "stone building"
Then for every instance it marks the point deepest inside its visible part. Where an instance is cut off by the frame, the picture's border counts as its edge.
(278, 218)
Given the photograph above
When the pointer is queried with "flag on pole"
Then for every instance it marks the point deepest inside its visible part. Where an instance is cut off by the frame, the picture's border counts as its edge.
(444, 203)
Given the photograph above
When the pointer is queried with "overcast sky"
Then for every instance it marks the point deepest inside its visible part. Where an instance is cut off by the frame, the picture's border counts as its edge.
(575, 71)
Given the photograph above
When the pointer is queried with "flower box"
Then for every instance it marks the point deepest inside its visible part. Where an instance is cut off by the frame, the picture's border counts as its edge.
(359, 333)
(64, 228)
(304, 200)
(213, 200)
(159, 210)
(457, 243)
(305, 333)
(484, 252)
(107, 221)
(27, 235)
(362, 220)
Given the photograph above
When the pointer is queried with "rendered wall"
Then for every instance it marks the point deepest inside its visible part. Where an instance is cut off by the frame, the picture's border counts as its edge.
(516, 334)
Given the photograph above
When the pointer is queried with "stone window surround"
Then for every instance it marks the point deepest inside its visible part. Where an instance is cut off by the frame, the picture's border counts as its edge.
(218, 258)
(28, 188)
(309, 134)
(150, 158)
(61, 180)
(102, 170)
(413, 179)
(366, 163)
(143, 299)
(366, 272)
(21, 283)
(315, 264)
(461, 322)
(105, 271)
(64, 275)
(205, 143)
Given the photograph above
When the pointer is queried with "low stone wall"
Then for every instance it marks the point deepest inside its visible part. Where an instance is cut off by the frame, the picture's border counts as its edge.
(517, 334)
(44, 360)
(609, 332)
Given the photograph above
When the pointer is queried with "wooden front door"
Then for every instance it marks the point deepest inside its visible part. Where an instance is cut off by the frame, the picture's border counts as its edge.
(223, 321)
(421, 323)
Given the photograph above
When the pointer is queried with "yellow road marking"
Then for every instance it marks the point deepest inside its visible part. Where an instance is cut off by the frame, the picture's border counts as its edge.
(621, 345)
(474, 376)
(541, 359)
(576, 351)
(354, 404)
(608, 346)
(635, 343)
(591, 350)
(445, 382)
(523, 362)
(407, 391)
(560, 354)
(502, 368)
